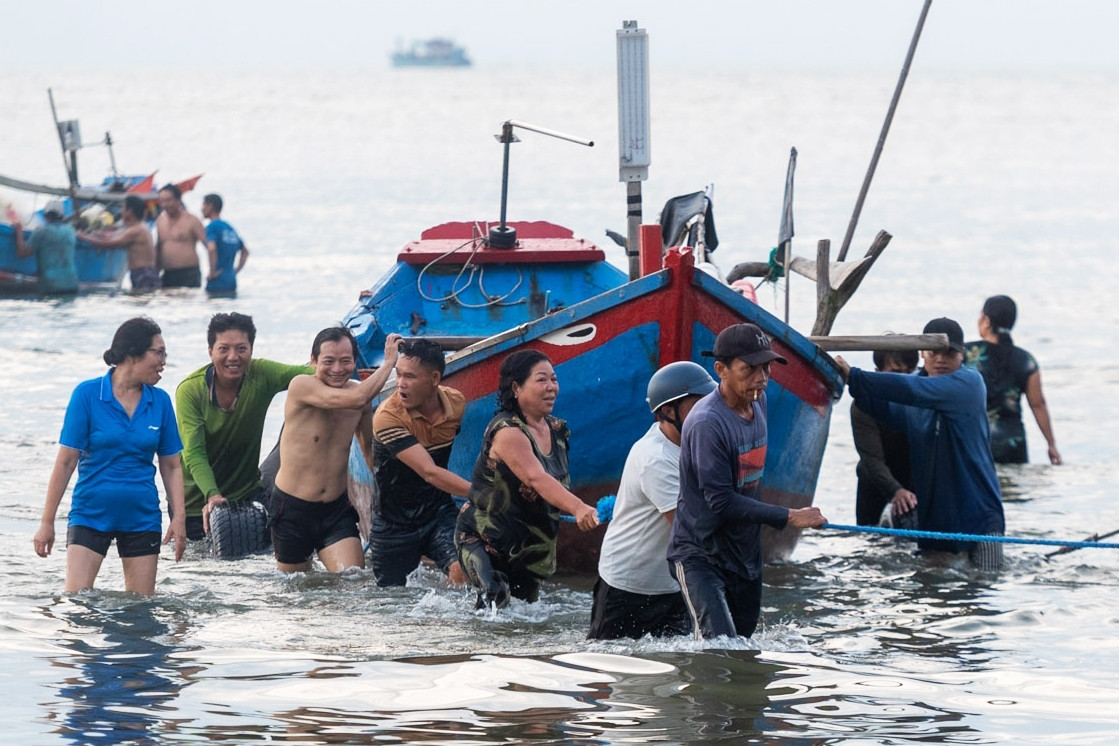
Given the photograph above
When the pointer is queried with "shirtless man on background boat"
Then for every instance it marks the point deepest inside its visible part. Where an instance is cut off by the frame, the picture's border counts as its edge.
(137, 238)
(311, 510)
(178, 234)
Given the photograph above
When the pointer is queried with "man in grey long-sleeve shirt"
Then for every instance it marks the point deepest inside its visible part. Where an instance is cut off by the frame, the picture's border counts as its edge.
(715, 547)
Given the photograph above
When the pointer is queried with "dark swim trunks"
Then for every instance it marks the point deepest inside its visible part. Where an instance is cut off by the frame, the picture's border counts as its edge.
(396, 549)
(301, 527)
(183, 277)
(144, 279)
(129, 543)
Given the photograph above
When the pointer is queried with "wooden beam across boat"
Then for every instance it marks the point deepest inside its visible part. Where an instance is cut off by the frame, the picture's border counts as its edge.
(882, 342)
(82, 193)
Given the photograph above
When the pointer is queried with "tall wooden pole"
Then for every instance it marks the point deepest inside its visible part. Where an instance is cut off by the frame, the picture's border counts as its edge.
(71, 166)
(882, 137)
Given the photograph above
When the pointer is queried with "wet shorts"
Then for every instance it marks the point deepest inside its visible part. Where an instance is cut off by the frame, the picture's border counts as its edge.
(144, 279)
(720, 603)
(183, 277)
(129, 543)
(300, 527)
(396, 549)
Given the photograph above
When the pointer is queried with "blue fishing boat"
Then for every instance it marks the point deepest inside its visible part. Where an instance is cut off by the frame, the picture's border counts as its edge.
(431, 53)
(98, 269)
(88, 208)
(606, 335)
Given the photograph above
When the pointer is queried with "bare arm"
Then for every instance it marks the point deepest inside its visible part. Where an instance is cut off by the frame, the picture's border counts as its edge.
(364, 435)
(419, 460)
(160, 227)
(199, 232)
(171, 471)
(1041, 414)
(116, 240)
(212, 251)
(22, 249)
(511, 446)
(64, 465)
(310, 391)
(244, 257)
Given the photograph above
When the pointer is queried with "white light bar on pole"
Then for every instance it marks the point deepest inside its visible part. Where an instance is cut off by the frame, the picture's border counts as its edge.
(633, 102)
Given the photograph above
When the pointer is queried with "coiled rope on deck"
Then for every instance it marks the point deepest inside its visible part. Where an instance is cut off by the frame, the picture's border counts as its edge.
(906, 533)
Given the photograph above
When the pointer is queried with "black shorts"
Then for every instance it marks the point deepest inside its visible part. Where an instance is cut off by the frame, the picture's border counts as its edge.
(129, 543)
(616, 613)
(183, 277)
(301, 527)
(144, 279)
(395, 549)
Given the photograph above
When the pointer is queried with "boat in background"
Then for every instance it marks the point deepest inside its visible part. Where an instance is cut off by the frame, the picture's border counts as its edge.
(88, 208)
(99, 207)
(436, 52)
(606, 336)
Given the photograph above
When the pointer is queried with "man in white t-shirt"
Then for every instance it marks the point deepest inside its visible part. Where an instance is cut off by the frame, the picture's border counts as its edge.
(635, 595)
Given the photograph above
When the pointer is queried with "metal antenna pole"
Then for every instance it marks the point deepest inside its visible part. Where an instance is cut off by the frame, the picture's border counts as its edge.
(507, 138)
(634, 154)
(112, 158)
(71, 166)
(503, 236)
(882, 137)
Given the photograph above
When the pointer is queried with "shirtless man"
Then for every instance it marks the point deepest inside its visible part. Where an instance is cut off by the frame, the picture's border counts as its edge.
(310, 508)
(178, 234)
(137, 238)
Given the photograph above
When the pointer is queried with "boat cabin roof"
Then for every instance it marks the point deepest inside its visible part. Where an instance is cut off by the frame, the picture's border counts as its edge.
(537, 242)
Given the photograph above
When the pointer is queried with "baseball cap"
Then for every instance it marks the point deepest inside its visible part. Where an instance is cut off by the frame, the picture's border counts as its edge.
(53, 207)
(747, 342)
(949, 327)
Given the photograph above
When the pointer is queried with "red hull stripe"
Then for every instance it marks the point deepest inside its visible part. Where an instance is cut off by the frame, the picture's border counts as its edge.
(680, 309)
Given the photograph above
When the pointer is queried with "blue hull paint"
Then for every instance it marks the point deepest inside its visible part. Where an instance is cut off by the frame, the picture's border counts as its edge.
(96, 267)
(605, 348)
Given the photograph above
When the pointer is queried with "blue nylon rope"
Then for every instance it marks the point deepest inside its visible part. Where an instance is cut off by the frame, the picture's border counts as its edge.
(911, 534)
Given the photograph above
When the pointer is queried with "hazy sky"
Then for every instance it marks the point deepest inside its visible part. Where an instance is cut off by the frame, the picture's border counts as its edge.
(1015, 34)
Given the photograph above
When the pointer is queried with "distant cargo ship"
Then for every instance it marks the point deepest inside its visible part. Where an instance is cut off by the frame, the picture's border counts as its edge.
(431, 53)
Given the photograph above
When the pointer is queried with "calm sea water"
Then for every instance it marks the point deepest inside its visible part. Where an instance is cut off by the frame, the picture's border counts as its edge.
(989, 184)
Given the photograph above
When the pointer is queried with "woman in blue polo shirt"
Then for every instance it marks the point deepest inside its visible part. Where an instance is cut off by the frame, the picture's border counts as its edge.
(114, 428)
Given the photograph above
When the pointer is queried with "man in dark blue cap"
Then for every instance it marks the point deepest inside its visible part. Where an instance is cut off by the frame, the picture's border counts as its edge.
(943, 411)
(715, 545)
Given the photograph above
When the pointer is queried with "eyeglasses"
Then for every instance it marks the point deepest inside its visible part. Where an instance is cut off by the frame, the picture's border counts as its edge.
(160, 353)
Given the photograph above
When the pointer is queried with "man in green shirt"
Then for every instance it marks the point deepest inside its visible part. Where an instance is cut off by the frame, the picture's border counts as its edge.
(221, 409)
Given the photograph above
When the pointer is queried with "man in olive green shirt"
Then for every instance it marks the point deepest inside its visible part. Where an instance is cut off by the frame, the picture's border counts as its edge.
(221, 409)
